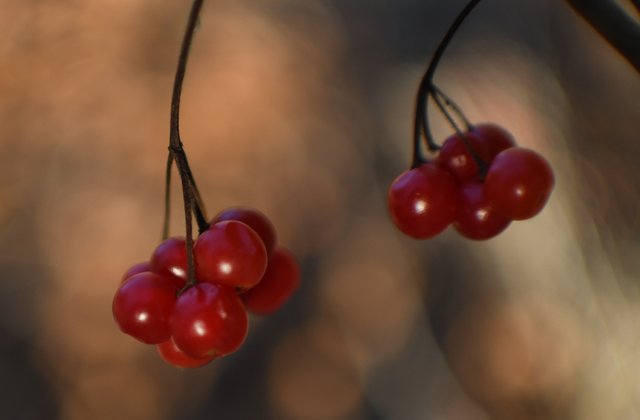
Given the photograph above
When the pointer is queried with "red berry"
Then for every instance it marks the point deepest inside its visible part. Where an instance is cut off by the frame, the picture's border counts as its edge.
(496, 138)
(423, 201)
(141, 267)
(519, 183)
(142, 306)
(279, 282)
(455, 156)
(170, 259)
(477, 219)
(253, 218)
(172, 354)
(209, 320)
(230, 253)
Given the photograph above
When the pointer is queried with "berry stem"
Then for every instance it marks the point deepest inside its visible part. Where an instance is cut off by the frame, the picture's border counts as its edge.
(421, 126)
(442, 107)
(175, 144)
(198, 207)
(482, 165)
(421, 120)
(437, 92)
(167, 198)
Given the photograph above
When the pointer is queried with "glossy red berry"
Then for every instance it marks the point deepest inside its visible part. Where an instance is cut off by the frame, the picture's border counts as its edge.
(170, 259)
(457, 159)
(253, 218)
(519, 183)
(209, 320)
(230, 253)
(171, 353)
(477, 219)
(423, 201)
(142, 306)
(279, 282)
(136, 269)
(496, 138)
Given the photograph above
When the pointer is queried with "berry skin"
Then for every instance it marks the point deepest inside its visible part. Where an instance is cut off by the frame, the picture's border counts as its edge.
(230, 253)
(141, 267)
(172, 354)
(279, 282)
(477, 219)
(170, 259)
(423, 201)
(519, 183)
(253, 218)
(495, 137)
(208, 320)
(456, 158)
(142, 307)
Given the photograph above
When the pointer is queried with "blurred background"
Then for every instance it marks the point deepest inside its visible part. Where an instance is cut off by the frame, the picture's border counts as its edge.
(304, 110)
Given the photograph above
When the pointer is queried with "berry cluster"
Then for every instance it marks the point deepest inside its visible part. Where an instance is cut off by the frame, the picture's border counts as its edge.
(238, 267)
(479, 181)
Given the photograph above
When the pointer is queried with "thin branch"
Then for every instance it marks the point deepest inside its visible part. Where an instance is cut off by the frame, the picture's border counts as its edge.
(614, 25)
(167, 198)
(443, 110)
(421, 120)
(175, 144)
(199, 209)
(451, 104)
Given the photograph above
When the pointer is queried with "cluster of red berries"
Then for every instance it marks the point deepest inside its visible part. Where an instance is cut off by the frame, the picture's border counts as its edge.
(238, 267)
(480, 181)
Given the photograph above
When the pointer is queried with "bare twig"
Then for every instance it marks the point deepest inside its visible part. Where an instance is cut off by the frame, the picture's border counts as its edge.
(175, 143)
(614, 25)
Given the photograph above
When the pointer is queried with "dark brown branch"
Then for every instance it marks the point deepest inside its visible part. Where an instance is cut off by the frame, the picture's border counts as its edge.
(421, 120)
(167, 197)
(175, 144)
(614, 25)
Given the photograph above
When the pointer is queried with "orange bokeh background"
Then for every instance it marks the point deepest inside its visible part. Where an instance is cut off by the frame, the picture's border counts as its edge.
(304, 110)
